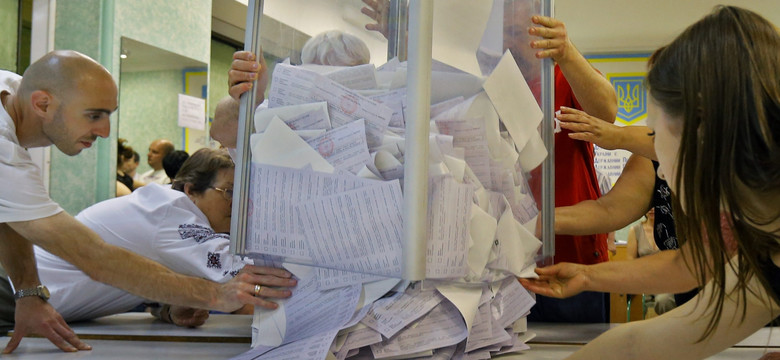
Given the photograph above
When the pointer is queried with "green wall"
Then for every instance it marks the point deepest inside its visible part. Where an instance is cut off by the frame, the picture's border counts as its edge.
(221, 58)
(9, 27)
(95, 28)
(149, 112)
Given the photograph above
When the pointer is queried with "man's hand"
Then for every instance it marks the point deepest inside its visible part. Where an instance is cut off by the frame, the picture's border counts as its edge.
(245, 69)
(35, 316)
(242, 288)
(588, 128)
(187, 316)
(377, 10)
(559, 281)
(555, 43)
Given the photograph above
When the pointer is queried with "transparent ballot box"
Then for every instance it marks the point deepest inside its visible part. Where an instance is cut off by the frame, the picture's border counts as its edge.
(401, 168)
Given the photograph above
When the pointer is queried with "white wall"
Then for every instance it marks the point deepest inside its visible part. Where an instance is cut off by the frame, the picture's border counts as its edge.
(640, 25)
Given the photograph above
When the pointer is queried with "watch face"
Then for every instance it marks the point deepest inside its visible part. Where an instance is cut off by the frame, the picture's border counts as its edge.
(44, 292)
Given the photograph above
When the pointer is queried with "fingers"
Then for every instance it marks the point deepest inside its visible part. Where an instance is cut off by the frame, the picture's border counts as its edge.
(582, 136)
(272, 292)
(197, 317)
(264, 270)
(370, 12)
(70, 336)
(13, 343)
(548, 270)
(237, 90)
(547, 44)
(546, 21)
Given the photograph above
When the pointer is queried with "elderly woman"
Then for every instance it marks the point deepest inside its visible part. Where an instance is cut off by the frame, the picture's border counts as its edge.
(184, 228)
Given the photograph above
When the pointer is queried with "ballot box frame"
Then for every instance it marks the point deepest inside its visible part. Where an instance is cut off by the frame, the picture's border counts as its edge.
(420, 19)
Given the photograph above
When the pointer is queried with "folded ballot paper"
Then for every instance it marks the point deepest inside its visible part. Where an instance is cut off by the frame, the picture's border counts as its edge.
(326, 204)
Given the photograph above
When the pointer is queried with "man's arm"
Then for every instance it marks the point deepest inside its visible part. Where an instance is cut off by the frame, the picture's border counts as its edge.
(592, 90)
(243, 71)
(33, 314)
(67, 238)
(628, 200)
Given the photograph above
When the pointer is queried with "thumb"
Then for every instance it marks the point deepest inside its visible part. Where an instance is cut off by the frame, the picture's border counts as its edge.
(549, 270)
(13, 343)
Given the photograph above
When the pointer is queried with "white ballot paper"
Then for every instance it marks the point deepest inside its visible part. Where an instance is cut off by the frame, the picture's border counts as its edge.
(449, 209)
(470, 135)
(344, 147)
(307, 312)
(312, 348)
(280, 146)
(441, 327)
(513, 100)
(457, 31)
(299, 86)
(391, 314)
(274, 228)
(331, 279)
(312, 116)
(358, 230)
(355, 77)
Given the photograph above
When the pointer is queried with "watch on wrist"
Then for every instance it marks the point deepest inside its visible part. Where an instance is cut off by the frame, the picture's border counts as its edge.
(39, 291)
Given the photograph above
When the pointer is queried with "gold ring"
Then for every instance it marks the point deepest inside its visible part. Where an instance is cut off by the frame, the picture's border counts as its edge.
(257, 290)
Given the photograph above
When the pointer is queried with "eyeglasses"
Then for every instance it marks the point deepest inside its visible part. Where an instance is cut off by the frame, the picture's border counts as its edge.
(226, 193)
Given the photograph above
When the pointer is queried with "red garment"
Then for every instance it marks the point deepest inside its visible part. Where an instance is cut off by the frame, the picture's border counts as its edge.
(575, 181)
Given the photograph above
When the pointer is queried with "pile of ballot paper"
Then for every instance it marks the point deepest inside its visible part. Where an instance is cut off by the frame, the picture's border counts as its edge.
(326, 204)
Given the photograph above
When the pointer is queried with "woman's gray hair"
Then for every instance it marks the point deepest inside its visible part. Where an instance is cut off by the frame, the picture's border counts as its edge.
(335, 48)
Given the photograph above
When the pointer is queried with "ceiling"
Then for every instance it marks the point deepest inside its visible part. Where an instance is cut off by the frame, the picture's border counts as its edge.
(144, 57)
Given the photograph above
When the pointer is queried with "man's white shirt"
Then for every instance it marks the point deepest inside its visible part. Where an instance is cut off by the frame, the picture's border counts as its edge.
(155, 176)
(23, 196)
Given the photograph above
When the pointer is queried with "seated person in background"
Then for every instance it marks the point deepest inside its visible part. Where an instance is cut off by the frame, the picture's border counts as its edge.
(184, 228)
(157, 151)
(131, 166)
(173, 162)
(641, 243)
(124, 182)
(334, 48)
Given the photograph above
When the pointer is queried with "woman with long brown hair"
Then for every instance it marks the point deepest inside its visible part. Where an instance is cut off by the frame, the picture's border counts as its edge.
(715, 109)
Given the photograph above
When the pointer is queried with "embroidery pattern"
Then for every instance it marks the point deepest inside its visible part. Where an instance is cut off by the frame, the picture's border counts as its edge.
(213, 261)
(198, 233)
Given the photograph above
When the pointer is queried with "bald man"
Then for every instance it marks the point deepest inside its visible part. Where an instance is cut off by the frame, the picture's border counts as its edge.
(157, 151)
(65, 99)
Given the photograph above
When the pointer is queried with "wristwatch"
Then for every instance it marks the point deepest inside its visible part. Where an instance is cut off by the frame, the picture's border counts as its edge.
(39, 291)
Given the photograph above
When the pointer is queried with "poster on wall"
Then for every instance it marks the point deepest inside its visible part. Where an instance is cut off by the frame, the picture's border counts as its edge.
(192, 112)
(626, 73)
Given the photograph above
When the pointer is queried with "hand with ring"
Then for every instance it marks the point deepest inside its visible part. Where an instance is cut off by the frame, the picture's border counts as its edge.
(255, 285)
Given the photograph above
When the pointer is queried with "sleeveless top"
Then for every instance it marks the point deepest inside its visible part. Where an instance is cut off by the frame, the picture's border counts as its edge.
(664, 232)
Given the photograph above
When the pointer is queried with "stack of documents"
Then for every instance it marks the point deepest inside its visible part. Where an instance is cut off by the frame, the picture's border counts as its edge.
(326, 203)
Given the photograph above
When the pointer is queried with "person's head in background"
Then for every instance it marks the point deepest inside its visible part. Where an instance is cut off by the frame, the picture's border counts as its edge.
(715, 111)
(157, 151)
(335, 48)
(207, 179)
(517, 20)
(131, 166)
(173, 162)
(124, 157)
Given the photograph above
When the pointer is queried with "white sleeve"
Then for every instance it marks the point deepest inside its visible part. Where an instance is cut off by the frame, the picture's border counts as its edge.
(187, 245)
(23, 196)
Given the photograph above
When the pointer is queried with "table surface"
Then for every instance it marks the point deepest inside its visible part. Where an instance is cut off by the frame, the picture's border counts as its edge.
(139, 336)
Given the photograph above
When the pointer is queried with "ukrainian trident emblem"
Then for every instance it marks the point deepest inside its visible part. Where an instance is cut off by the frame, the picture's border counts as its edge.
(631, 96)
